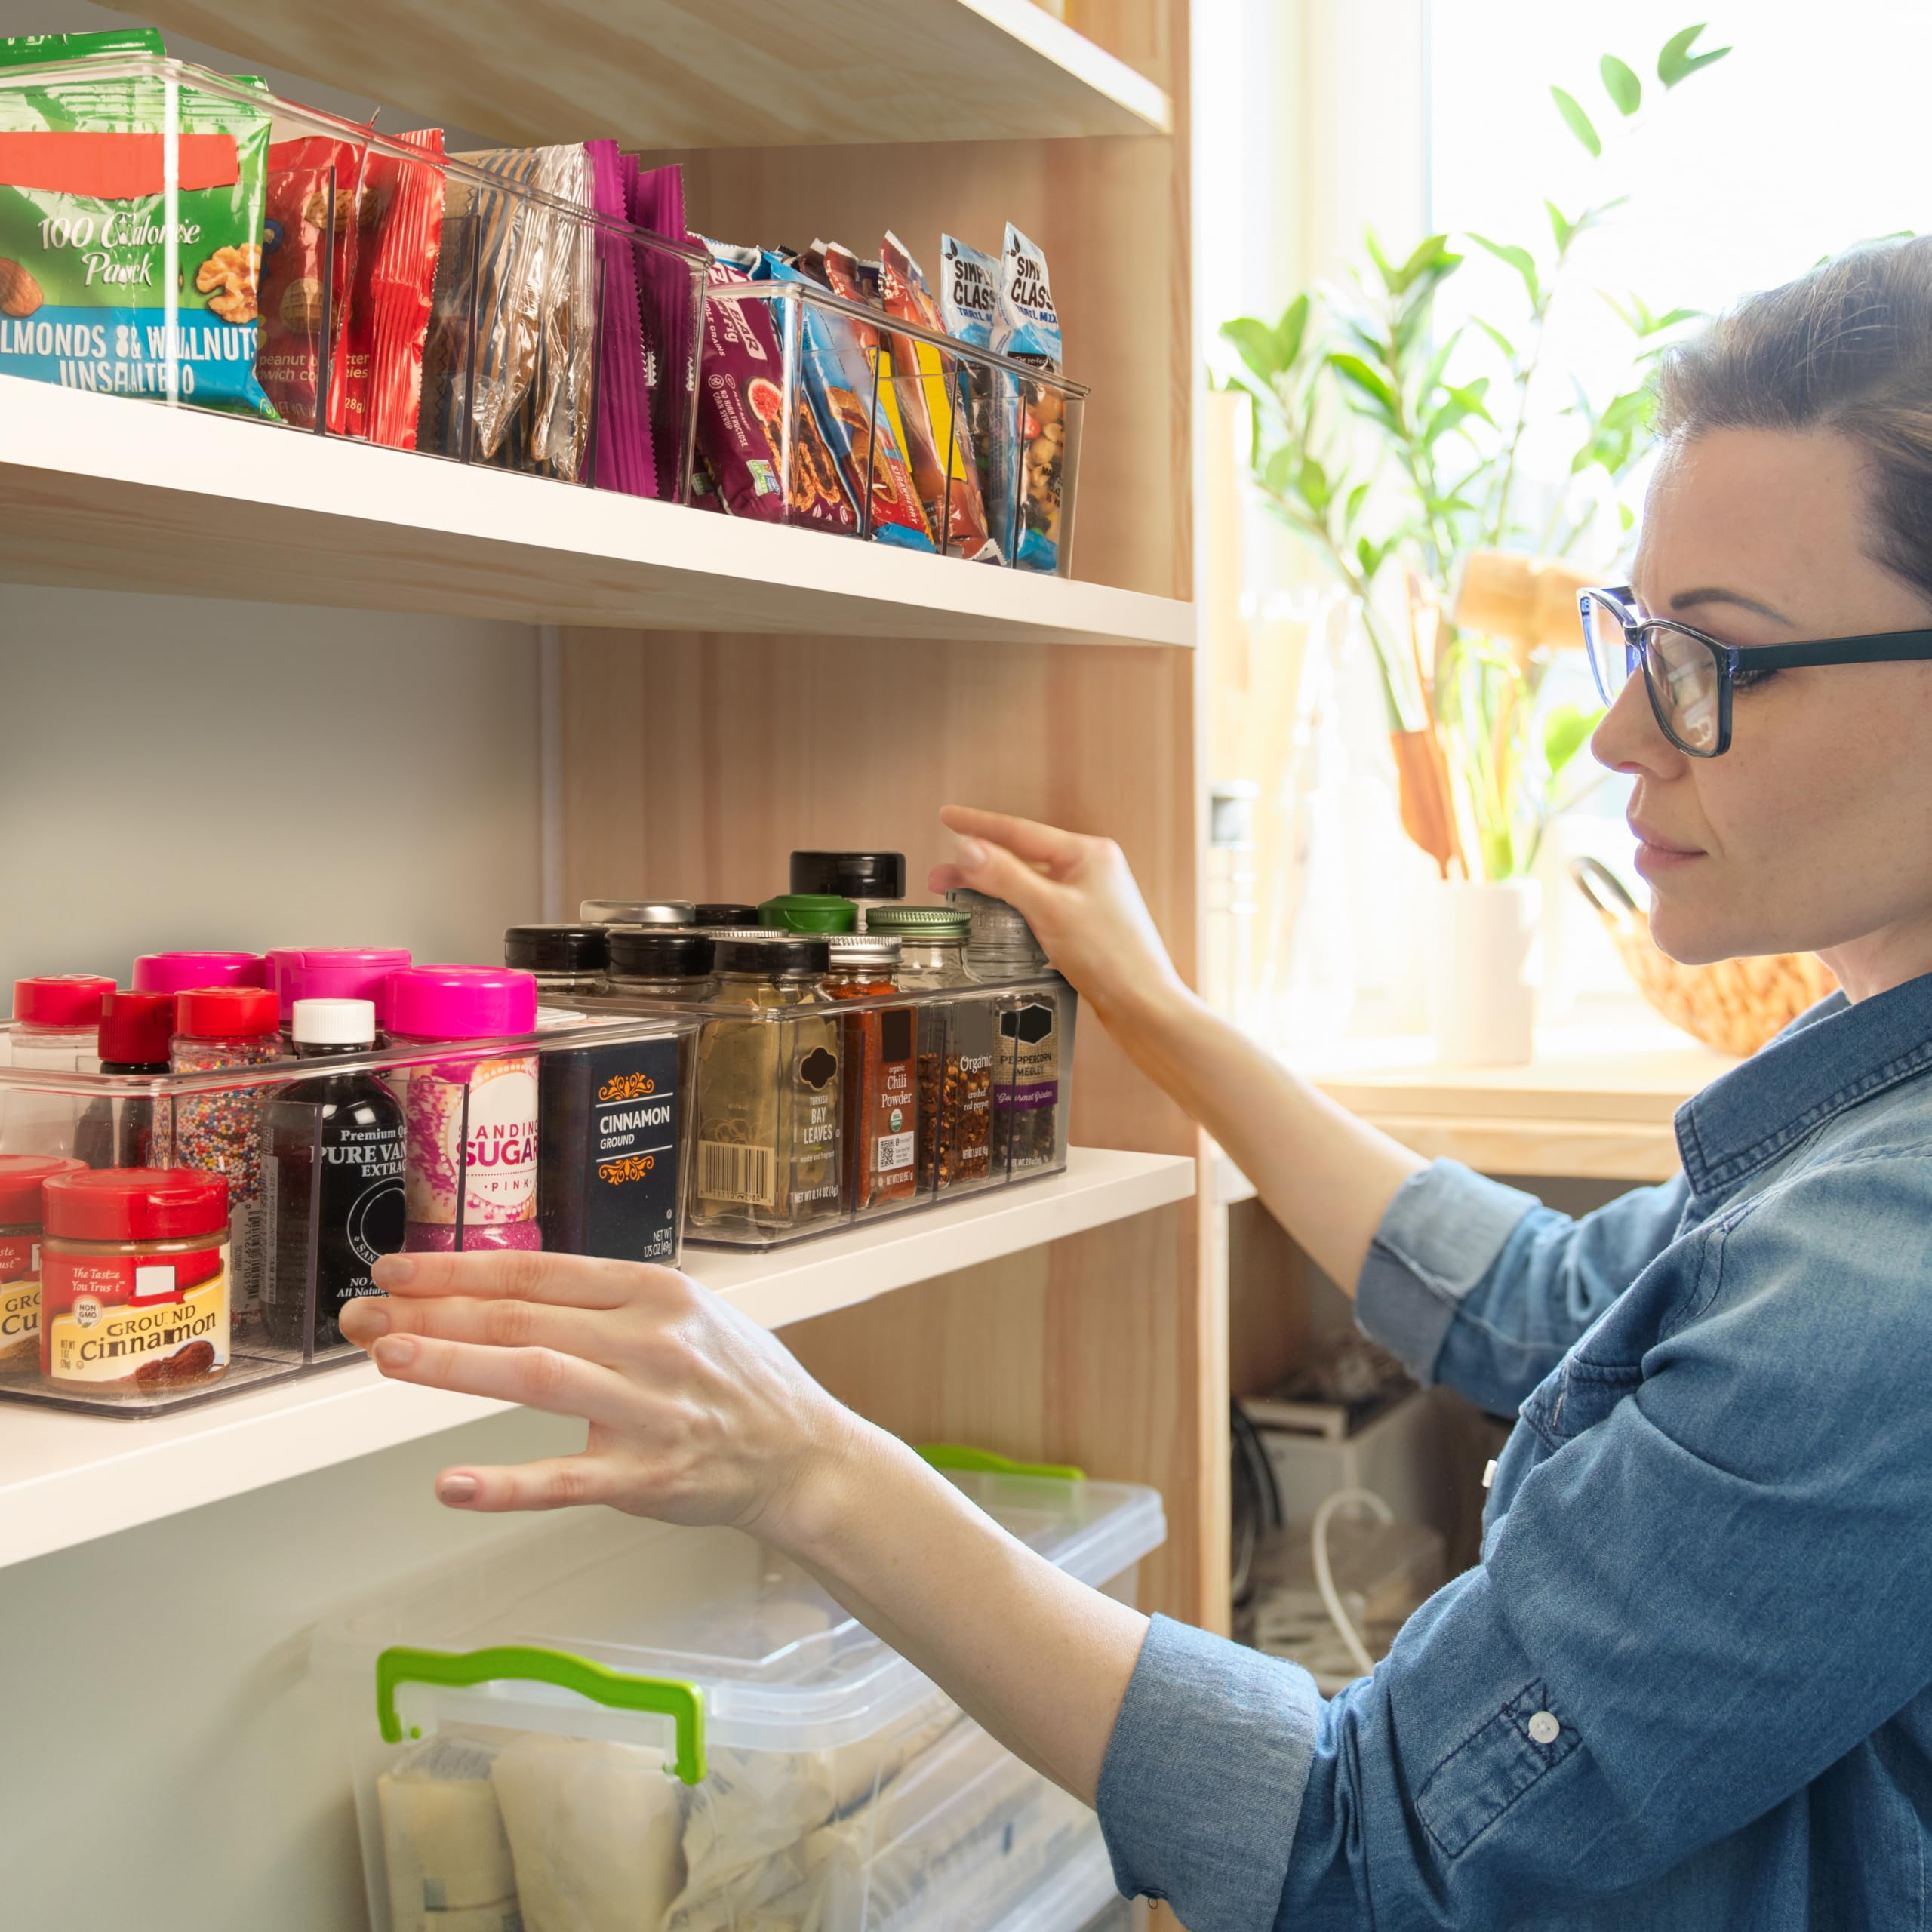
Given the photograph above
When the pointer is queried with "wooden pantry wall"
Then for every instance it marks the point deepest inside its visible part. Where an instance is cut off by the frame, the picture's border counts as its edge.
(697, 761)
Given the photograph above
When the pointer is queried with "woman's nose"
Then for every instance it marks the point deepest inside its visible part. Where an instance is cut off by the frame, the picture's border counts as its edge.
(1628, 737)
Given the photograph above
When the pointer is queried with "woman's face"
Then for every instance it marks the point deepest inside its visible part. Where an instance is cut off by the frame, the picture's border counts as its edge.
(1814, 831)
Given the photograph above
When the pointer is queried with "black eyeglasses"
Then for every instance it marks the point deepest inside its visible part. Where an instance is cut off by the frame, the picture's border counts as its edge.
(1690, 676)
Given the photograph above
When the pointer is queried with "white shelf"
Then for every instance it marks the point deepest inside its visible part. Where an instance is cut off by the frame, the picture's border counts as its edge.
(108, 493)
(66, 1479)
(730, 73)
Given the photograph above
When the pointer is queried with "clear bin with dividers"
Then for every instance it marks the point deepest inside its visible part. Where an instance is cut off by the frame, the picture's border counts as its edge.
(572, 1140)
(602, 1724)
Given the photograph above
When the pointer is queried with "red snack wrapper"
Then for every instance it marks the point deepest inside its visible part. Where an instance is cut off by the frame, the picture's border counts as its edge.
(401, 222)
(313, 188)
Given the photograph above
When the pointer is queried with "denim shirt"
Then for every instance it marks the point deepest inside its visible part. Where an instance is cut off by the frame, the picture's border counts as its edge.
(1687, 1688)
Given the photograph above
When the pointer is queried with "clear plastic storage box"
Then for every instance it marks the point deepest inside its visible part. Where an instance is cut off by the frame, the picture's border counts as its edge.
(569, 1139)
(604, 1725)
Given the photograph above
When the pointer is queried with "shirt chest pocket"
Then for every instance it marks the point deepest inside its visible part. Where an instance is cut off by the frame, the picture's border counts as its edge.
(1578, 1395)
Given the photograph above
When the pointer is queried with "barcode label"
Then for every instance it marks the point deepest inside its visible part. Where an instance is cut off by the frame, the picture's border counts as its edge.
(748, 1175)
(894, 1152)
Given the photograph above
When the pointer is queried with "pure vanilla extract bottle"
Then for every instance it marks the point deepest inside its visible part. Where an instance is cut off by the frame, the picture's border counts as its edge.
(333, 1168)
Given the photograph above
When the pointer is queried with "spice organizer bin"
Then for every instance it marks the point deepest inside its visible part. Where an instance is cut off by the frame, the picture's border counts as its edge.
(807, 1118)
(187, 237)
(569, 1139)
(883, 429)
(605, 1724)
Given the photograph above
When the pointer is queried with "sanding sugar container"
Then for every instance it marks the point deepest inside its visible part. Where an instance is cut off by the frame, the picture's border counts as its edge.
(604, 1725)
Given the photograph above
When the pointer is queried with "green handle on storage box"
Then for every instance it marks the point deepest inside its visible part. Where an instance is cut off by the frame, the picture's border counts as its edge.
(620, 1690)
(963, 1456)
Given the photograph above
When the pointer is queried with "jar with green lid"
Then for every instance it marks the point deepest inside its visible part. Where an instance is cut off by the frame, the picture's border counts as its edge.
(768, 1141)
(809, 912)
(955, 1045)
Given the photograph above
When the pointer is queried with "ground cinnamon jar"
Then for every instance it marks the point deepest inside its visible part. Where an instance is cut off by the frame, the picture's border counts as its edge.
(21, 1177)
(134, 1281)
(881, 1075)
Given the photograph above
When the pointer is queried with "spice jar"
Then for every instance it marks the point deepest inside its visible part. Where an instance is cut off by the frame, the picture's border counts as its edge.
(333, 972)
(564, 959)
(21, 1176)
(768, 1142)
(470, 1172)
(219, 1132)
(718, 915)
(955, 1046)
(881, 1075)
(333, 1201)
(636, 911)
(135, 1041)
(867, 879)
(650, 962)
(809, 912)
(56, 1017)
(135, 1280)
(182, 972)
(1027, 1115)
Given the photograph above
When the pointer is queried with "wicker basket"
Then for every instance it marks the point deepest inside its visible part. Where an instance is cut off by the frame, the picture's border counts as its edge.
(1735, 1005)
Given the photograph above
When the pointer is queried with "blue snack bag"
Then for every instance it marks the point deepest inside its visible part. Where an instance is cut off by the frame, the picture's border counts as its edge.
(1026, 327)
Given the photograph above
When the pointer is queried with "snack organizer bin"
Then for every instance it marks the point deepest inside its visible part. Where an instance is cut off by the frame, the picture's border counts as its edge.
(778, 1153)
(612, 1096)
(525, 382)
(512, 1720)
(1012, 429)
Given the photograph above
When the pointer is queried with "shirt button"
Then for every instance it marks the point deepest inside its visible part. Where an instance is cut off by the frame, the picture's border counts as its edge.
(1544, 1728)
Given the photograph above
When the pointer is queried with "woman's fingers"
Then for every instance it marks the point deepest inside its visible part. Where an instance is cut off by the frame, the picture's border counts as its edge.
(555, 1482)
(564, 1385)
(492, 1323)
(1059, 852)
(568, 1280)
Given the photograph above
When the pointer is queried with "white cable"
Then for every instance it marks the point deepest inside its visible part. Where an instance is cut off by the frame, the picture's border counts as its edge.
(1324, 1576)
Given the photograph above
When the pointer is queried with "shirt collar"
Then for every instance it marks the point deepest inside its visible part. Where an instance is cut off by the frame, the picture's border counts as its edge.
(1827, 1060)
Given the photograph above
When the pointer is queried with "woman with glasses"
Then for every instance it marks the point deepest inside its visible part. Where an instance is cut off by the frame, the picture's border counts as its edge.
(1687, 1688)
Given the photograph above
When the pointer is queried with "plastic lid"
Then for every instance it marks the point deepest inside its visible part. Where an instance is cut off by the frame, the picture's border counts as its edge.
(20, 1178)
(181, 972)
(996, 926)
(854, 874)
(226, 1013)
(70, 1000)
(859, 949)
(772, 955)
(136, 1028)
(135, 1203)
(333, 972)
(333, 1023)
(722, 913)
(462, 1002)
(645, 952)
(917, 922)
(809, 912)
(556, 948)
(636, 911)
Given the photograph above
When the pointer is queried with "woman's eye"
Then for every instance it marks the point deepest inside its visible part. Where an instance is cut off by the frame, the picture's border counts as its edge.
(1744, 681)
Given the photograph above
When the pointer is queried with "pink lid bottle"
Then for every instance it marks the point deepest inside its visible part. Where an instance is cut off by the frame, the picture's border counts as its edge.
(469, 1175)
(189, 972)
(333, 972)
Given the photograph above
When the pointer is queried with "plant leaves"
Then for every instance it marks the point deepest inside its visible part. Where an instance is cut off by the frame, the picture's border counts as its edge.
(1312, 481)
(1565, 732)
(1675, 62)
(1519, 259)
(1496, 336)
(1562, 227)
(1578, 122)
(1371, 383)
(1352, 508)
(1256, 344)
(1626, 90)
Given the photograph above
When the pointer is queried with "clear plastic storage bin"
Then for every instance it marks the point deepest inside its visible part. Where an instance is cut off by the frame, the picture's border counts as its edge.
(570, 1138)
(604, 1725)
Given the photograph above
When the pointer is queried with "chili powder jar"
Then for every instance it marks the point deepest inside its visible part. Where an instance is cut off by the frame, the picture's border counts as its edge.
(21, 1176)
(134, 1279)
(881, 1075)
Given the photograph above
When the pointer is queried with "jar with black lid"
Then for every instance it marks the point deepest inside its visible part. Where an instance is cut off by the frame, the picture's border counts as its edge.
(867, 879)
(721, 914)
(565, 959)
(659, 962)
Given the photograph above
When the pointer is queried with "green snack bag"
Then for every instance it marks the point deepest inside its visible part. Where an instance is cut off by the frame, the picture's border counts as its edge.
(87, 249)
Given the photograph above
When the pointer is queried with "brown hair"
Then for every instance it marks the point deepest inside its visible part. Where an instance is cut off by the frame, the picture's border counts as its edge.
(1846, 347)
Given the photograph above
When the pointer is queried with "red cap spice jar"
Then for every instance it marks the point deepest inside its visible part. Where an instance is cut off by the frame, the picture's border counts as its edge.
(54, 1020)
(117, 1129)
(135, 1280)
(21, 1176)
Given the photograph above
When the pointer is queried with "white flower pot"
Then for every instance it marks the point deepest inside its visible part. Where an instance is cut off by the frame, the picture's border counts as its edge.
(1487, 962)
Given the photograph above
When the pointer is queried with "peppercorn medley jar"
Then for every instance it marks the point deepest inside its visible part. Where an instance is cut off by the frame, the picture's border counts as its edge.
(1028, 1122)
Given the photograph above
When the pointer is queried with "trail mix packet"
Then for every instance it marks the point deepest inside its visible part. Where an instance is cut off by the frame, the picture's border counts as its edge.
(399, 232)
(308, 248)
(89, 241)
(1027, 328)
(839, 380)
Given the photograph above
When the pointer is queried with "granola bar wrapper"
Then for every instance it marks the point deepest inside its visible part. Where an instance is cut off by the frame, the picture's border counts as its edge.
(1027, 328)
(509, 370)
(399, 233)
(655, 198)
(92, 251)
(309, 251)
(839, 379)
(625, 458)
(931, 386)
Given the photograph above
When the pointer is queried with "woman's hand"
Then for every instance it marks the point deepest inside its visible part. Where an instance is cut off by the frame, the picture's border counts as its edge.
(696, 1414)
(1079, 897)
